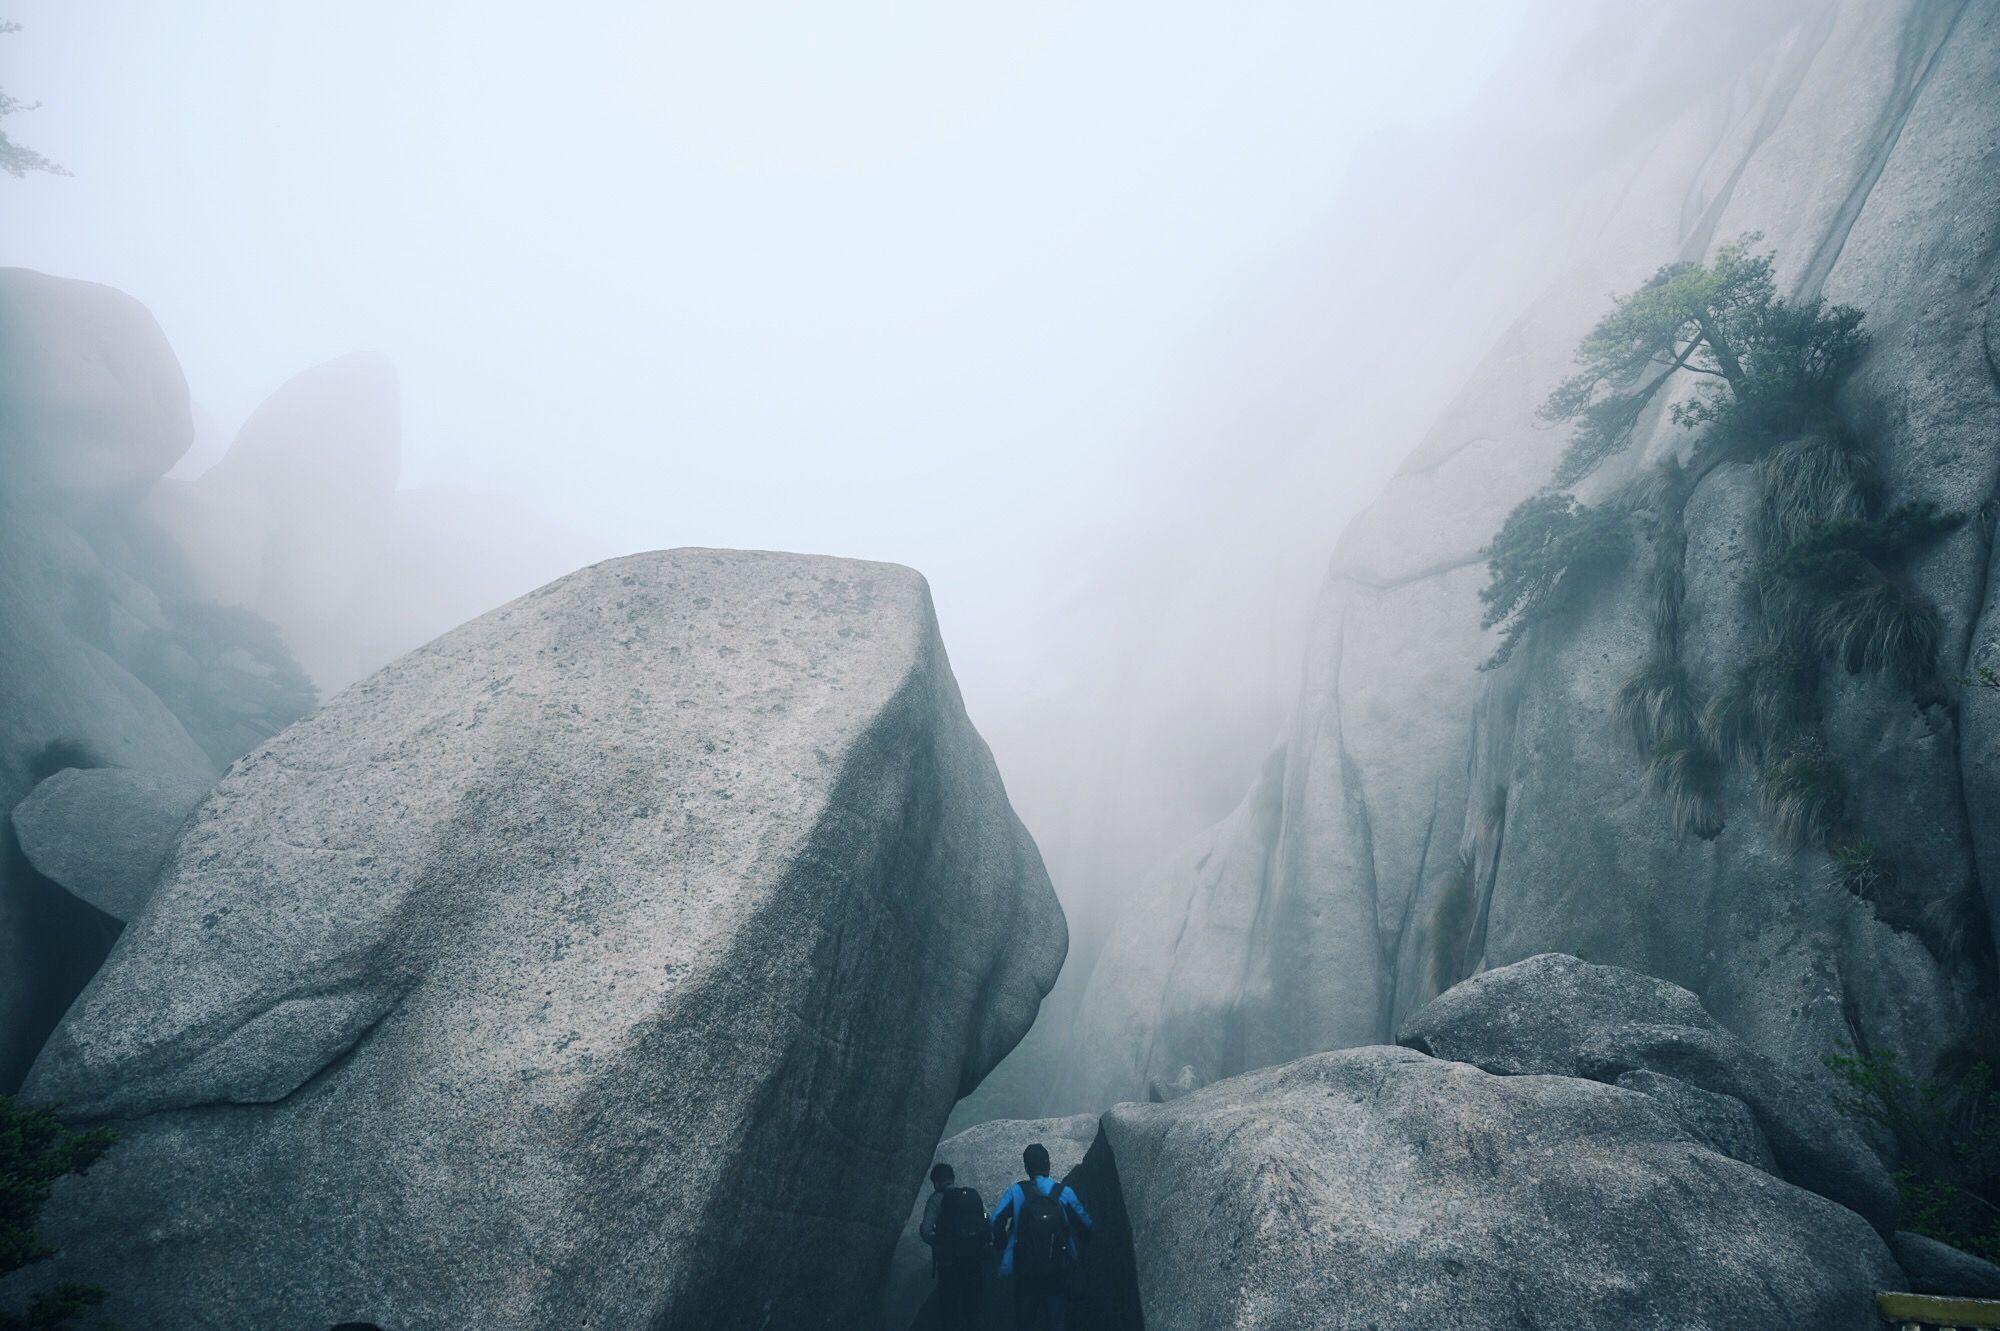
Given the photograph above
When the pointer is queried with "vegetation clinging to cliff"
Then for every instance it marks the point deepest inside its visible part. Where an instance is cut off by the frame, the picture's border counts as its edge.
(1829, 583)
(36, 1150)
(1947, 1138)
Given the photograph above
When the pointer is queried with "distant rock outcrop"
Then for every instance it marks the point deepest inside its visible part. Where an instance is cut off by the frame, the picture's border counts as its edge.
(620, 953)
(1383, 1187)
(93, 406)
(303, 521)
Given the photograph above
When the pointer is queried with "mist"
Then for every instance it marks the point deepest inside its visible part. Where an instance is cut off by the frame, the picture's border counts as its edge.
(1104, 319)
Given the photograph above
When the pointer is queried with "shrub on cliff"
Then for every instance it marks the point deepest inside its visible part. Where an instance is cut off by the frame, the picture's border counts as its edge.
(36, 1150)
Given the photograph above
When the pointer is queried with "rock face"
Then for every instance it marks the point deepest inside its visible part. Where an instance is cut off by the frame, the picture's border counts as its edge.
(93, 408)
(1939, 1268)
(620, 953)
(1382, 1187)
(987, 1158)
(1557, 1016)
(1425, 820)
(103, 833)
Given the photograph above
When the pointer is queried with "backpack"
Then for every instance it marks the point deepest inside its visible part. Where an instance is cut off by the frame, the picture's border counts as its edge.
(1041, 1234)
(961, 1229)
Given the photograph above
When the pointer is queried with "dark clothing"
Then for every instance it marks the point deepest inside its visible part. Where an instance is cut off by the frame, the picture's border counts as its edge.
(961, 1284)
(1040, 1306)
(960, 1294)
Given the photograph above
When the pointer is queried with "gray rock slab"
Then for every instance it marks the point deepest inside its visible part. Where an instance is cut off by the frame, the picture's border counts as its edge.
(614, 960)
(1557, 1015)
(1379, 1187)
(104, 833)
(1939, 1268)
(1722, 1123)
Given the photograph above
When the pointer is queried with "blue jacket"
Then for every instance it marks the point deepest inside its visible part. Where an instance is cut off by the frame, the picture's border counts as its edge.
(1010, 1206)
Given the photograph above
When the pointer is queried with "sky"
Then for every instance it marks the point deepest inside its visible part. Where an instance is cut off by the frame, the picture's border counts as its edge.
(939, 284)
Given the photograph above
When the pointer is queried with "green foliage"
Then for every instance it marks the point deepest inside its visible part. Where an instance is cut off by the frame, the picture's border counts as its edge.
(1767, 702)
(1803, 793)
(1793, 356)
(1765, 363)
(1687, 774)
(1544, 539)
(36, 1150)
(1687, 317)
(1858, 867)
(1947, 1139)
(1832, 551)
(17, 159)
(1656, 705)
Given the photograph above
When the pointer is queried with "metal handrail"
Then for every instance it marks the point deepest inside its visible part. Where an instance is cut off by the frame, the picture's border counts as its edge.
(1927, 1312)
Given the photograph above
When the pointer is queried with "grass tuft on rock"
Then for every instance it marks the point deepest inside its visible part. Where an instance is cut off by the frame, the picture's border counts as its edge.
(1804, 794)
(1878, 625)
(1767, 701)
(1687, 774)
(1656, 705)
(1824, 475)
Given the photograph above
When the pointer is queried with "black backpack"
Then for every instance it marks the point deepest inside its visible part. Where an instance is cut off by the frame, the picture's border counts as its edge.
(961, 1229)
(1041, 1234)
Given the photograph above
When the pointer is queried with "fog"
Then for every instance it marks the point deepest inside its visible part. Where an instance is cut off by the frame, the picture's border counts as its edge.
(1103, 317)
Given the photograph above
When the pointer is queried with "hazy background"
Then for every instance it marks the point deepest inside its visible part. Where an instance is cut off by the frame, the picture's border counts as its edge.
(1104, 316)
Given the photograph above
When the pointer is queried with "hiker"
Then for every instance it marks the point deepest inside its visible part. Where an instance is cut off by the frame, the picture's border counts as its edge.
(1040, 1218)
(955, 1227)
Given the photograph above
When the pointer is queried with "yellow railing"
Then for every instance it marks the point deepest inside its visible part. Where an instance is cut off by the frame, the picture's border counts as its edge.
(1924, 1312)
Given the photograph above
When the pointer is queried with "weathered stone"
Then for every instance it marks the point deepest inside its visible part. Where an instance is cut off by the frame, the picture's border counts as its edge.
(620, 953)
(1722, 1123)
(1939, 1268)
(104, 832)
(1382, 1187)
(1554, 1015)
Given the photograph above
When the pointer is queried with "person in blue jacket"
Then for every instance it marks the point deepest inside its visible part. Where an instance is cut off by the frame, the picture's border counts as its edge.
(1040, 1297)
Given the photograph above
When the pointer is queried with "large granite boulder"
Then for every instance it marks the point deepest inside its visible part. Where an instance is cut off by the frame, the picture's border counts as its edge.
(1556, 1015)
(93, 404)
(1380, 1187)
(103, 833)
(613, 960)
(986, 1158)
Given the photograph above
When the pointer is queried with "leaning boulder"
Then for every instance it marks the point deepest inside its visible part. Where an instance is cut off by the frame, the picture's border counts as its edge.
(1380, 1187)
(986, 1158)
(103, 833)
(1554, 1014)
(614, 960)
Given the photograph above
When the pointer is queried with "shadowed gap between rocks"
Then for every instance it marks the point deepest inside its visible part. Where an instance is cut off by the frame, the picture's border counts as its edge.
(1110, 1274)
(74, 939)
